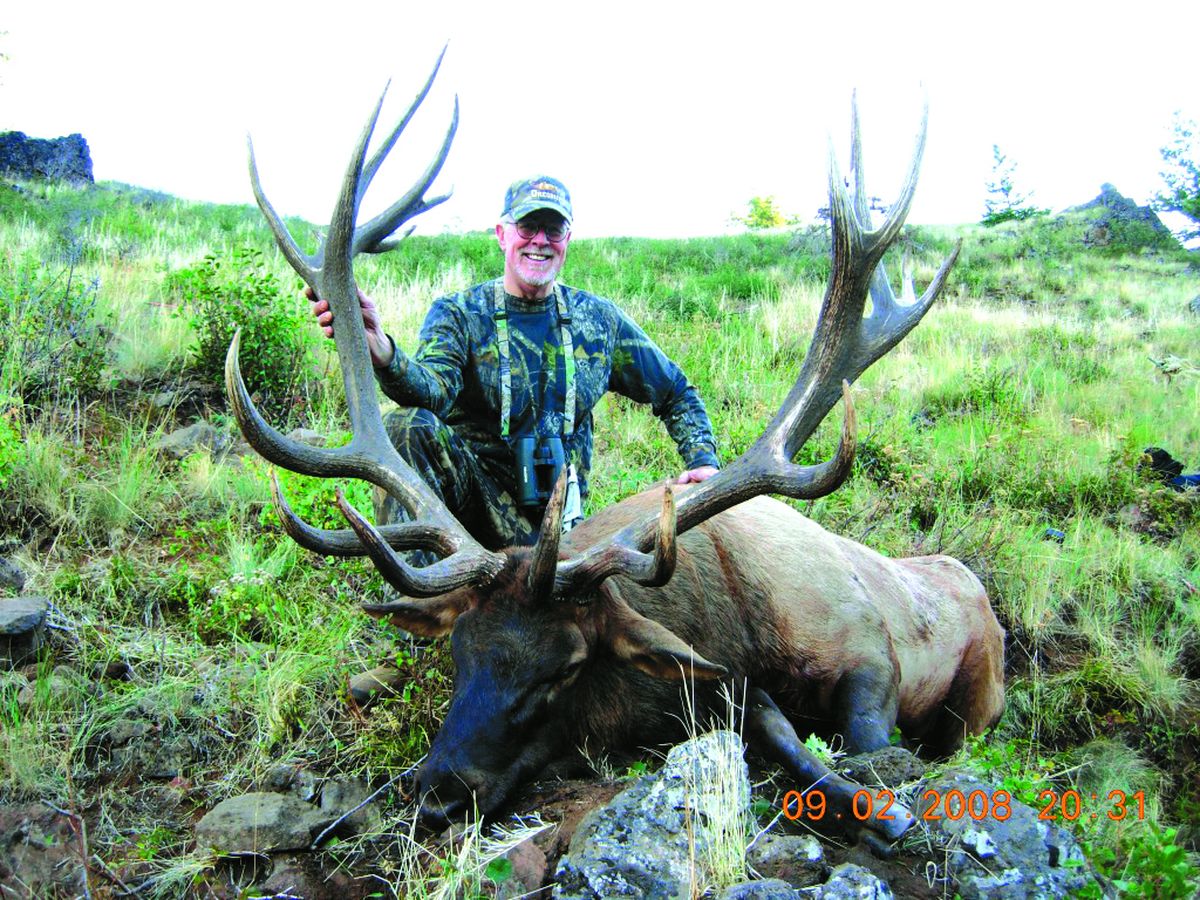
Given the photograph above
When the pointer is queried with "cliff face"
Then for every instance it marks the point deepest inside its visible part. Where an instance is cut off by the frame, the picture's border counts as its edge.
(59, 159)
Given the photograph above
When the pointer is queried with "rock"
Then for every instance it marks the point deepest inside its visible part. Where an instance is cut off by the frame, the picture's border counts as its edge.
(1018, 857)
(59, 159)
(39, 854)
(638, 845)
(22, 629)
(195, 437)
(302, 876)
(11, 577)
(797, 859)
(851, 882)
(260, 823)
(886, 767)
(308, 436)
(529, 870)
(340, 795)
(1194, 306)
(767, 889)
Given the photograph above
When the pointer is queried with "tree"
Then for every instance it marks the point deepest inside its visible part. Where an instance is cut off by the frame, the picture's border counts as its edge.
(762, 213)
(1006, 204)
(1182, 175)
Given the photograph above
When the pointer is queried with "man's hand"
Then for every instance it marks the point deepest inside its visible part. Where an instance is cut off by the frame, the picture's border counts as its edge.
(378, 342)
(698, 474)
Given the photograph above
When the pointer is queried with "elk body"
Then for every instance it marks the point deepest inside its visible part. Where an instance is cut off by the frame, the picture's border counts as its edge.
(584, 642)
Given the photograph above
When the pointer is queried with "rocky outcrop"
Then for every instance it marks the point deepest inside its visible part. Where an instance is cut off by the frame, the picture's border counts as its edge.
(59, 159)
(1118, 220)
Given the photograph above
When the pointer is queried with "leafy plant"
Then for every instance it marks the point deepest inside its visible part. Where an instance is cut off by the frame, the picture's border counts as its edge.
(12, 450)
(53, 342)
(762, 212)
(223, 295)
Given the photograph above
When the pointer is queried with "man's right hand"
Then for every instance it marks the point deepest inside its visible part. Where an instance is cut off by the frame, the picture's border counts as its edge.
(378, 342)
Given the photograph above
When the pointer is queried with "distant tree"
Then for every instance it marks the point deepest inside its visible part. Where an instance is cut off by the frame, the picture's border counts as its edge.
(763, 213)
(1006, 204)
(1182, 174)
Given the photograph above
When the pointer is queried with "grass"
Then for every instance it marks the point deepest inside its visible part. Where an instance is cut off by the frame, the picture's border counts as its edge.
(1021, 403)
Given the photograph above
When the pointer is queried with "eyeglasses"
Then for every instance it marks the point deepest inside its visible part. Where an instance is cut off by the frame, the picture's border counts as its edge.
(554, 231)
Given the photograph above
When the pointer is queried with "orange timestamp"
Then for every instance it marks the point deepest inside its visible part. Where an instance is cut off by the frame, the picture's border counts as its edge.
(954, 805)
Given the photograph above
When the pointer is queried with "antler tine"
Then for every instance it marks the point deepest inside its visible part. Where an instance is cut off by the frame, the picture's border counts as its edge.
(344, 542)
(443, 576)
(306, 266)
(370, 236)
(385, 147)
(578, 577)
(545, 552)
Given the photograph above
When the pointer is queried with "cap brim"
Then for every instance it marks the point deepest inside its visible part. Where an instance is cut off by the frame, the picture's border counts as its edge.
(524, 209)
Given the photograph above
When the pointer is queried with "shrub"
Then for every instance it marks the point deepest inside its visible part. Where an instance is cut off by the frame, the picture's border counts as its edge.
(53, 343)
(221, 296)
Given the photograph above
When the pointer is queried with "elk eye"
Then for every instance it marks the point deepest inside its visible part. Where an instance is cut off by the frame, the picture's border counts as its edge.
(570, 670)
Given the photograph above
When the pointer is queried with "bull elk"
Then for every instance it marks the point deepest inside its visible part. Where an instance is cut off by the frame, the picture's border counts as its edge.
(581, 641)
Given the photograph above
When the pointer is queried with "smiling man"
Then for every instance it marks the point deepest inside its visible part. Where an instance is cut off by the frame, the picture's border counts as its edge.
(499, 394)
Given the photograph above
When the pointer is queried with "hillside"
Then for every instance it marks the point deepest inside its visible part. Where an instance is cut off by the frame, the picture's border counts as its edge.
(194, 652)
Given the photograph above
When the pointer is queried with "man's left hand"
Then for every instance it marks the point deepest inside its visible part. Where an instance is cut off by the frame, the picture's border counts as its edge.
(697, 474)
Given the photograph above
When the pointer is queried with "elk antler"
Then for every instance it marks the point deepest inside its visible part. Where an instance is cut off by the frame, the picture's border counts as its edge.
(844, 344)
(370, 454)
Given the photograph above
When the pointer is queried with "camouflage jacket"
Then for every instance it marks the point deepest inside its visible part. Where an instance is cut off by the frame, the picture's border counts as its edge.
(455, 374)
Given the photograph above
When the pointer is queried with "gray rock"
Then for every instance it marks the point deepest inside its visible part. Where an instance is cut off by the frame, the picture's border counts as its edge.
(39, 853)
(308, 436)
(797, 859)
(1194, 306)
(195, 437)
(1114, 210)
(11, 577)
(340, 795)
(767, 889)
(58, 159)
(260, 823)
(1018, 857)
(638, 845)
(851, 882)
(22, 629)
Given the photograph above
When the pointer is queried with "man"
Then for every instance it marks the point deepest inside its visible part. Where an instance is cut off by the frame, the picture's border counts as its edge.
(490, 387)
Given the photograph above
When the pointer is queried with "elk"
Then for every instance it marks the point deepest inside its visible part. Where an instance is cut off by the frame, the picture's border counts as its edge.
(582, 640)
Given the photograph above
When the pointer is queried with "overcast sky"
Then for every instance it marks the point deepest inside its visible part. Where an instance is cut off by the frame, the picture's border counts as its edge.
(662, 118)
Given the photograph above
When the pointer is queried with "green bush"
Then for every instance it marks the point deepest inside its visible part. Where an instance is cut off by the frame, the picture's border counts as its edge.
(54, 345)
(225, 294)
(11, 447)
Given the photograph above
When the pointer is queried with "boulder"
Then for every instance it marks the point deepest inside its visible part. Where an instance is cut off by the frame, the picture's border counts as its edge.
(767, 889)
(798, 859)
(647, 842)
(22, 629)
(1013, 856)
(195, 437)
(59, 159)
(851, 882)
(261, 823)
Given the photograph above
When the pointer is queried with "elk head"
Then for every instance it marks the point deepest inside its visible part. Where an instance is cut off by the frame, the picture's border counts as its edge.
(533, 631)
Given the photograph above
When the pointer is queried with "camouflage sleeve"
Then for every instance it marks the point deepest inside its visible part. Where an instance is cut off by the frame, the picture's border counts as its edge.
(642, 372)
(433, 378)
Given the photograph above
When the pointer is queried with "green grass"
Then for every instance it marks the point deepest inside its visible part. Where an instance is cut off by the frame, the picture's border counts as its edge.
(1021, 403)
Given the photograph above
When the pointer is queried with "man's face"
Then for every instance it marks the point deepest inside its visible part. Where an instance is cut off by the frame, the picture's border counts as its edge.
(531, 259)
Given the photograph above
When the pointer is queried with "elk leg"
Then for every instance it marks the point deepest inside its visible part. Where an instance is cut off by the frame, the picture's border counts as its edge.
(772, 736)
(867, 702)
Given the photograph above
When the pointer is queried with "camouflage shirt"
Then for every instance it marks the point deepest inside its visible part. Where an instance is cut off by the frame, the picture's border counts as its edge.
(456, 375)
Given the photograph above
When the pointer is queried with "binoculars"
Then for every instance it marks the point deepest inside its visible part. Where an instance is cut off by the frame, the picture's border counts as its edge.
(539, 462)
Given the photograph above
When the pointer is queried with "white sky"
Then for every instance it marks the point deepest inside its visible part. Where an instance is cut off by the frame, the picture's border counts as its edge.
(662, 118)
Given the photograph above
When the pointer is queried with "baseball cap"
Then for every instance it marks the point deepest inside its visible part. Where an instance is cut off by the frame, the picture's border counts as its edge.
(540, 192)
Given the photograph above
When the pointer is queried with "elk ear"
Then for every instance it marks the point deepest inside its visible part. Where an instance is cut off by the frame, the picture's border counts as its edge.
(653, 647)
(431, 617)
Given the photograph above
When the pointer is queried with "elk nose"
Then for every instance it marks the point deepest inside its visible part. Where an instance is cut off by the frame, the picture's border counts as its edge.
(437, 814)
